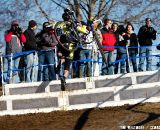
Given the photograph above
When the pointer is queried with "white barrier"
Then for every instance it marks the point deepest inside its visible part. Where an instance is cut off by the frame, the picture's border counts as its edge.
(89, 96)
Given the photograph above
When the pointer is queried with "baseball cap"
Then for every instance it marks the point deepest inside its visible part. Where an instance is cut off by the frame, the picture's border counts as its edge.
(148, 19)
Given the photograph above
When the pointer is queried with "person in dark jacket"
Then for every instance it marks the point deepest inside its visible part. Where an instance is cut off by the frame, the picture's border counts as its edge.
(31, 59)
(46, 55)
(131, 43)
(145, 35)
(114, 28)
(14, 42)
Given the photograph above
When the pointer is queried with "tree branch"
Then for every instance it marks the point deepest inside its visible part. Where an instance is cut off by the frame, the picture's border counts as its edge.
(42, 11)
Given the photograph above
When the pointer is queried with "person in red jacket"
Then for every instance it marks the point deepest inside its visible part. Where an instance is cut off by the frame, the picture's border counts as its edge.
(108, 42)
(14, 38)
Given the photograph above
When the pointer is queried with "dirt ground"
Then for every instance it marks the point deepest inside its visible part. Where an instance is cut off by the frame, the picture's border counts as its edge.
(115, 118)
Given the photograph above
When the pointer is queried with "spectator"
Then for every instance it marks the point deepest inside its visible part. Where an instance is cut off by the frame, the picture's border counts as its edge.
(14, 42)
(31, 58)
(121, 50)
(86, 53)
(75, 65)
(47, 43)
(109, 41)
(97, 24)
(114, 28)
(145, 35)
(131, 42)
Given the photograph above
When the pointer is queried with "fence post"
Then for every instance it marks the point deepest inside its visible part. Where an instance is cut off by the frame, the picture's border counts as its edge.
(11, 69)
(56, 61)
(2, 75)
(128, 59)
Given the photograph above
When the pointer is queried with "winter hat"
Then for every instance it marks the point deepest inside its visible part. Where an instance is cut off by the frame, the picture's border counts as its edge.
(148, 19)
(32, 23)
(14, 22)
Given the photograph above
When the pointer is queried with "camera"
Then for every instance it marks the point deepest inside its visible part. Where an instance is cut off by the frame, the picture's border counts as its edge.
(47, 26)
(16, 30)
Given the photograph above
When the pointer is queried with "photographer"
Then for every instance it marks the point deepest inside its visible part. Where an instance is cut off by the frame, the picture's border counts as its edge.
(14, 42)
(15, 37)
(46, 56)
(145, 35)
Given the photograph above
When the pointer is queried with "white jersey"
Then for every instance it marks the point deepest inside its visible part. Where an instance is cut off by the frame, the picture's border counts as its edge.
(89, 41)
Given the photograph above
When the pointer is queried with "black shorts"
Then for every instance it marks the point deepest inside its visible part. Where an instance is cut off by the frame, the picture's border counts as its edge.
(67, 64)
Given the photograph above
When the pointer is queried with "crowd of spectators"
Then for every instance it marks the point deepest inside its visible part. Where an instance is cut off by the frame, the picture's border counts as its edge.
(47, 60)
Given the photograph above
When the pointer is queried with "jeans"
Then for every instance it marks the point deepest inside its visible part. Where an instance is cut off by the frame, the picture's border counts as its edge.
(5, 70)
(132, 55)
(75, 64)
(46, 69)
(108, 68)
(116, 69)
(12, 70)
(85, 67)
(31, 67)
(123, 58)
(146, 52)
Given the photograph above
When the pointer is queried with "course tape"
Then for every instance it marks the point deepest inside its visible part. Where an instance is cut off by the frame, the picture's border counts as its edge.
(32, 51)
(116, 47)
(77, 61)
(90, 60)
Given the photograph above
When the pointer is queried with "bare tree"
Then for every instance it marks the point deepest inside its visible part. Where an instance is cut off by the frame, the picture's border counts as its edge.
(13, 10)
(119, 10)
(42, 11)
